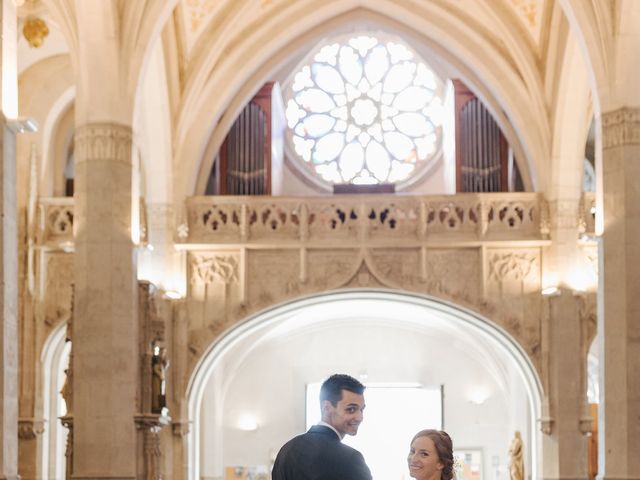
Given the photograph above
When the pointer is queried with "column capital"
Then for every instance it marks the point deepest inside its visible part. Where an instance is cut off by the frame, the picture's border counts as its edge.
(103, 141)
(621, 127)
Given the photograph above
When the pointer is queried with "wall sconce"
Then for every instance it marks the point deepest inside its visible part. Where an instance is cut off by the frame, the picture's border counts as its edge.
(479, 395)
(248, 423)
(22, 125)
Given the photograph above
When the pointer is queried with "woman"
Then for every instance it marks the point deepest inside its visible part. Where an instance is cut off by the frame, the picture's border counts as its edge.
(431, 456)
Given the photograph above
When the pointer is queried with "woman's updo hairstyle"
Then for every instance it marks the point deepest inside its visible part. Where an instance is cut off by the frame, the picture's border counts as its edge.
(444, 448)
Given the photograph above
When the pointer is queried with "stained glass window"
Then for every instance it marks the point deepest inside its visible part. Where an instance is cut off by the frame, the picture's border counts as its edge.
(365, 111)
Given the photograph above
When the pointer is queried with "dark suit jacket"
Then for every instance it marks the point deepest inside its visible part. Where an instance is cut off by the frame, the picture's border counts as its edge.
(319, 455)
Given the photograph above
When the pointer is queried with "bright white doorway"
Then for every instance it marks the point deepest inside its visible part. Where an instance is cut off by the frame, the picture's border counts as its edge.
(393, 414)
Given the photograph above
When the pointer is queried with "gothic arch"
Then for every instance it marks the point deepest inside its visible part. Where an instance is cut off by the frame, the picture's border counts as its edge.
(430, 308)
(229, 87)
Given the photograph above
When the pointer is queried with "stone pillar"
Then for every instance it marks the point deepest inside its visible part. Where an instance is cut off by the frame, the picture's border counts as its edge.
(564, 442)
(9, 307)
(9, 244)
(619, 298)
(105, 329)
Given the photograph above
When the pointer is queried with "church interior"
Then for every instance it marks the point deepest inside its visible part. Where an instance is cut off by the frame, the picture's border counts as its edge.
(210, 206)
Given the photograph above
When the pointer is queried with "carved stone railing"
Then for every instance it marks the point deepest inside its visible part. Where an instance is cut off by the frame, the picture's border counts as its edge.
(55, 221)
(371, 219)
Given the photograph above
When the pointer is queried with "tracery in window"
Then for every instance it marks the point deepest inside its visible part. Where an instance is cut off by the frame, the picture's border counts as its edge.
(365, 110)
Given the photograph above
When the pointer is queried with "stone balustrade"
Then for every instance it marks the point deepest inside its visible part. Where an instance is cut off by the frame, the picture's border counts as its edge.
(370, 219)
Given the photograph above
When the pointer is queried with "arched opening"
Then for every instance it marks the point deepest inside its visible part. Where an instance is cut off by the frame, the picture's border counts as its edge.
(388, 336)
(54, 361)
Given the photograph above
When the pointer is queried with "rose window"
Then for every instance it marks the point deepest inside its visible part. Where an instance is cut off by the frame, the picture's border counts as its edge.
(365, 111)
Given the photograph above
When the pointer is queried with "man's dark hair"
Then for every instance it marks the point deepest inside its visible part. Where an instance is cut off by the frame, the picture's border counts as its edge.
(332, 387)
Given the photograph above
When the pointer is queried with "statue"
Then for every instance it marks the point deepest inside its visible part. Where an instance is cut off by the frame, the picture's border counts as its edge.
(159, 365)
(516, 462)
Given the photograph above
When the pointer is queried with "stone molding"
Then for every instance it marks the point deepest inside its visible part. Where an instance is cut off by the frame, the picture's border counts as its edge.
(30, 428)
(103, 141)
(621, 127)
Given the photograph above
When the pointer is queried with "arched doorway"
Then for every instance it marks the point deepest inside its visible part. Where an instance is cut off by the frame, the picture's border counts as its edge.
(54, 361)
(388, 336)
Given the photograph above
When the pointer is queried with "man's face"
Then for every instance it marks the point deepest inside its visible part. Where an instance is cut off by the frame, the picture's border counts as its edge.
(346, 416)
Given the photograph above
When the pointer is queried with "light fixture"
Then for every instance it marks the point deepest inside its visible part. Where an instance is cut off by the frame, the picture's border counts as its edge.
(173, 295)
(479, 395)
(248, 423)
(550, 291)
(22, 125)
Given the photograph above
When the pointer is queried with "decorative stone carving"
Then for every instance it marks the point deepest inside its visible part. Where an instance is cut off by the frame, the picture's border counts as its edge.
(207, 270)
(103, 141)
(67, 422)
(376, 219)
(180, 429)
(59, 275)
(30, 428)
(516, 266)
(621, 127)
(150, 426)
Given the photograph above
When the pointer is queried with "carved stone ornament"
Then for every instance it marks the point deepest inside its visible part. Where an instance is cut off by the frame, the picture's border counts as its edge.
(103, 141)
(35, 30)
(30, 428)
(621, 127)
(222, 268)
(546, 425)
(514, 265)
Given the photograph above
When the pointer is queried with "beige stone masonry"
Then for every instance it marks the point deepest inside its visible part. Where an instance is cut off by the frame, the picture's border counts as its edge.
(105, 337)
(619, 315)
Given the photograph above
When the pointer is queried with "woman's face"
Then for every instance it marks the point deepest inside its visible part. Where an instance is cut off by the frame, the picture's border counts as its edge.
(423, 460)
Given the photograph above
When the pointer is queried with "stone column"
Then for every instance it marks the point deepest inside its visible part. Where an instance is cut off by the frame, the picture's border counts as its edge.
(564, 442)
(105, 335)
(619, 298)
(9, 244)
(9, 307)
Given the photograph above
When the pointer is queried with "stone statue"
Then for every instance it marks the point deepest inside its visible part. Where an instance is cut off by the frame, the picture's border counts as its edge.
(159, 365)
(516, 461)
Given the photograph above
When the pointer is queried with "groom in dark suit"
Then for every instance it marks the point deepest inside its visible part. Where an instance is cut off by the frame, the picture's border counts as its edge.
(320, 454)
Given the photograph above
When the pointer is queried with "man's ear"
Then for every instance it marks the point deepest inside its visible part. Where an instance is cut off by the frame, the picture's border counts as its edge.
(325, 407)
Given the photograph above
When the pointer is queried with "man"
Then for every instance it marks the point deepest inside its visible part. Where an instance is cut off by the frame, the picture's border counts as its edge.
(319, 454)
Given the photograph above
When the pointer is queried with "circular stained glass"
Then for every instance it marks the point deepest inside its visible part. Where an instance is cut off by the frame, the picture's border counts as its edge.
(365, 111)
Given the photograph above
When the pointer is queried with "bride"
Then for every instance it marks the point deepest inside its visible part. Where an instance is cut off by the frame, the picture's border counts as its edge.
(431, 456)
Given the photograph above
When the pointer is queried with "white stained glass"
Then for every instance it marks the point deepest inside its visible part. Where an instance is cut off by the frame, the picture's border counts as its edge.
(378, 161)
(327, 78)
(376, 64)
(400, 146)
(365, 112)
(399, 77)
(328, 147)
(385, 434)
(412, 124)
(351, 160)
(350, 65)
(317, 125)
(315, 100)
(328, 54)
(412, 99)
